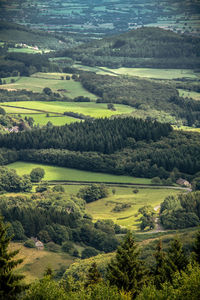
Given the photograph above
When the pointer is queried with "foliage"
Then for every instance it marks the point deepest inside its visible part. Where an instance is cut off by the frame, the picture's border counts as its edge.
(126, 271)
(148, 217)
(37, 174)
(11, 182)
(89, 252)
(93, 192)
(10, 283)
(29, 244)
(196, 247)
(93, 275)
(185, 285)
(181, 211)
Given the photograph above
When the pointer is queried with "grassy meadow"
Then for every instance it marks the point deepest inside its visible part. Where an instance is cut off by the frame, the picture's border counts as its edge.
(188, 94)
(103, 208)
(37, 82)
(156, 73)
(35, 262)
(96, 110)
(60, 173)
(56, 120)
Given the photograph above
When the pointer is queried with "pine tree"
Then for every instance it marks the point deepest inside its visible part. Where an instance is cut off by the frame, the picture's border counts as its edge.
(196, 247)
(126, 271)
(10, 283)
(162, 271)
(176, 258)
(93, 275)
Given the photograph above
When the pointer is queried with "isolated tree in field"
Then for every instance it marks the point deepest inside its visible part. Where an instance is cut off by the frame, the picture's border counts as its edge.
(126, 271)
(10, 283)
(37, 174)
(47, 91)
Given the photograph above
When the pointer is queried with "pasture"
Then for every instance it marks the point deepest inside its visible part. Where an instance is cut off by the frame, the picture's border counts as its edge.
(155, 73)
(59, 173)
(56, 120)
(36, 262)
(39, 81)
(188, 94)
(104, 208)
(96, 110)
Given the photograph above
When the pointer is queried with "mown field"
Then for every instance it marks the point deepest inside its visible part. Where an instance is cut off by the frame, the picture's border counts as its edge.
(103, 208)
(59, 173)
(96, 110)
(39, 81)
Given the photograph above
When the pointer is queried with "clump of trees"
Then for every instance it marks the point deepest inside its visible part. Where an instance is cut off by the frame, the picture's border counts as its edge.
(10, 181)
(93, 192)
(180, 211)
(37, 174)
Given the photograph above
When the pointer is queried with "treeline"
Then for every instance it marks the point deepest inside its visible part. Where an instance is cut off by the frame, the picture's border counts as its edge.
(143, 95)
(178, 150)
(24, 64)
(181, 211)
(100, 135)
(143, 47)
(53, 217)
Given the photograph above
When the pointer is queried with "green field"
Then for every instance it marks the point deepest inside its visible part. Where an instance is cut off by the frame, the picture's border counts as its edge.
(35, 262)
(156, 73)
(25, 50)
(56, 120)
(93, 109)
(186, 128)
(188, 94)
(16, 110)
(37, 83)
(59, 173)
(102, 209)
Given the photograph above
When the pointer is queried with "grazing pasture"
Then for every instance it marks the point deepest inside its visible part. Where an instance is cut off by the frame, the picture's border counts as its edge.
(189, 94)
(156, 73)
(39, 81)
(104, 208)
(96, 110)
(56, 120)
(59, 173)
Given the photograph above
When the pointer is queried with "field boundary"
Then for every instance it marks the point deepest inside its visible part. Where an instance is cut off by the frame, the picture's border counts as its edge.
(140, 185)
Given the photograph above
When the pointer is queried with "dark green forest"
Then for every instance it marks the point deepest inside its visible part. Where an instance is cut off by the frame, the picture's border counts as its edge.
(144, 47)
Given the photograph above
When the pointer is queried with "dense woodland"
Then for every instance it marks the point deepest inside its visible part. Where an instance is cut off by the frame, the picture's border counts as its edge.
(143, 95)
(141, 148)
(181, 211)
(54, 218)
(145, 47)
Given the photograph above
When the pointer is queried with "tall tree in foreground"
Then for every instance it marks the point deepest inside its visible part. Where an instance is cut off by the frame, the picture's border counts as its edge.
(126, 271)
(10, 283)
(196, 247)
(177, 260)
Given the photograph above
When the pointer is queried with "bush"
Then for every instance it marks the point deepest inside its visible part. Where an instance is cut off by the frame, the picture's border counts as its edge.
(58, 188)
(89, 252)
(68, 247)
(51, 246)
(29, 244)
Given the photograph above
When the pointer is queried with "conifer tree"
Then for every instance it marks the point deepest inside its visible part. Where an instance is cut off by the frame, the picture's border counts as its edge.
(93, 275)
(162, 271)
(176, 258)
(10, 283)
(196, 247)
(126, 271)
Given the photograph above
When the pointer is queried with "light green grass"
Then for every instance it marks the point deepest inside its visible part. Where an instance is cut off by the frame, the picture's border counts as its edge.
(16, 110)
(56, 120)
(186, 128)
(188, 94)
(93, 109)
(59, 173)
(102, 209)
(156, 73)
(24, 50)
(73, 88)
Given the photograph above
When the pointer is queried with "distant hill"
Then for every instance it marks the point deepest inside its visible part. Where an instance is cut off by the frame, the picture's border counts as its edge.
(144, 47)
(12, 33)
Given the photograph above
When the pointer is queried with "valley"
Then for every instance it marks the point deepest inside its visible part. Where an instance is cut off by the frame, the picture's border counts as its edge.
(100, 148)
